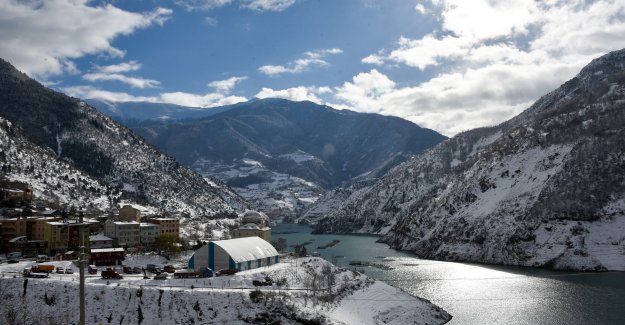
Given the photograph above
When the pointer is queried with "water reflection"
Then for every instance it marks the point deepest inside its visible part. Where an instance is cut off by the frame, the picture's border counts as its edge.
(480, 294)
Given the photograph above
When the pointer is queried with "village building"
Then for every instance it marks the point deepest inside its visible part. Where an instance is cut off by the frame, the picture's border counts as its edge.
(63, 236)
(169, 226)
(129, 213)
(15, 192)
(106, 256)
(26, 246)
(148, 232)
(253, 224)
(125, 233)
(13, 227)
(240, 254)
(31, 227)
(100, 241)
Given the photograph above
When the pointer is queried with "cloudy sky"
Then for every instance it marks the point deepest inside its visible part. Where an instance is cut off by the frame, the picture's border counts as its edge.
(449, 65)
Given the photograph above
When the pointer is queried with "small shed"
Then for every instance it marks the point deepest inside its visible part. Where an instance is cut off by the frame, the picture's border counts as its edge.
(240, 254)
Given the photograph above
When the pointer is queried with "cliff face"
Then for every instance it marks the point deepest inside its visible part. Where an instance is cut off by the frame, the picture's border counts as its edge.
(545, 188)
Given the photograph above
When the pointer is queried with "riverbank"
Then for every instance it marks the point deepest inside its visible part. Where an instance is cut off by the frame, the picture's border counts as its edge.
(483, 294)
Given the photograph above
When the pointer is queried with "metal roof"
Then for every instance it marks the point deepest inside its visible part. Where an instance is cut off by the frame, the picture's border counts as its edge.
(106, 250)
(247, 248)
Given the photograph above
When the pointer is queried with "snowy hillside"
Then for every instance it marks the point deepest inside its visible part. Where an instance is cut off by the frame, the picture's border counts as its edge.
(543, 189)
(109, 152)
(308, 290)
(53, 180)
(281, 196)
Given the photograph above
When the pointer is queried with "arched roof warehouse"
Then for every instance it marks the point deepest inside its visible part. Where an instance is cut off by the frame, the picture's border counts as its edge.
(240, 253)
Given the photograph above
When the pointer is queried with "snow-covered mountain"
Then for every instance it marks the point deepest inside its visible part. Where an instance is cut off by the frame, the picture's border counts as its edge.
(107, 151)
(282, 155)
(546, 188)
(54, 181)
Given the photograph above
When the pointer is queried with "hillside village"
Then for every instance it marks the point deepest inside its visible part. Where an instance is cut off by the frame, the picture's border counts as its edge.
(140, 255)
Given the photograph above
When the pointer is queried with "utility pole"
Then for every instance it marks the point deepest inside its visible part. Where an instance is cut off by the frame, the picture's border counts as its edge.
(81, 266)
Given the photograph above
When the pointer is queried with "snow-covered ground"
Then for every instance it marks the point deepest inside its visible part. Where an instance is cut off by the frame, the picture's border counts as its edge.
(274, 193)
(302, 289)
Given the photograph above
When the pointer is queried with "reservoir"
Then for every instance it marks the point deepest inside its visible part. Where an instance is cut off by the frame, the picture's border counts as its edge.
(473, 293)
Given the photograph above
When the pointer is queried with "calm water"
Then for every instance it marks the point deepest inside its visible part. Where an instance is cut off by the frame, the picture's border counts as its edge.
(478, 294)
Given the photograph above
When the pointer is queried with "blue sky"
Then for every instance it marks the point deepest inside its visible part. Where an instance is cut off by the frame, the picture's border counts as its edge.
(450, 65)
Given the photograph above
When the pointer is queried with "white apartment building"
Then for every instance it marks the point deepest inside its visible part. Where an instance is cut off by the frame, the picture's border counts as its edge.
(126, 233)
(148, 232)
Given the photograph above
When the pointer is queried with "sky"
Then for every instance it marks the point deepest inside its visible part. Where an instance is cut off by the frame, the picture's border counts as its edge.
(448, 65)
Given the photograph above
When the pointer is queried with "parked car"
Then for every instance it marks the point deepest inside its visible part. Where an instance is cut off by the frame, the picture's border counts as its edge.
(109, 273)
(161, 276)
(42, 258)
(127, 270)
(12, 261)
(154, 269)
(137, 270)
(92, 269)
(202, 273)
(69, 270)
(169, 269)
(60, 270)
(226, 272)
(14, 255)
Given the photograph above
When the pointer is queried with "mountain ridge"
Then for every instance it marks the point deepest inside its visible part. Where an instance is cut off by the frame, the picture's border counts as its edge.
(108, 151)
(282, 155)
(542, 189)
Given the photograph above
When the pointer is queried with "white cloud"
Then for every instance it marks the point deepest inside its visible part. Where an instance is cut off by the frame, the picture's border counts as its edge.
(267, 5)
(487, 19)
(41, 37)
(420, 8)
(114, 73)
(202, 5)
(257, 5)
(429, 50)
(88, 92)
(299, 94)
(195, 100)
(134, 82)
(226, 86)
(211, 21)
(311, 58)
(121, 67)
(178, 98)
(495, 58)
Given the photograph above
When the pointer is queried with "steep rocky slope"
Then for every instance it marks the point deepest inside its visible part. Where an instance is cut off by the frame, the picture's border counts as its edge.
(546, 188)
(107, 151)
(54, 181)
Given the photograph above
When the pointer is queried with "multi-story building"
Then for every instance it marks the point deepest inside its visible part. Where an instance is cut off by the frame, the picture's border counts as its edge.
(13, 227)
(125, 233)
(36, 227)
(149, 232)
(169, 226)
(65, 235)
